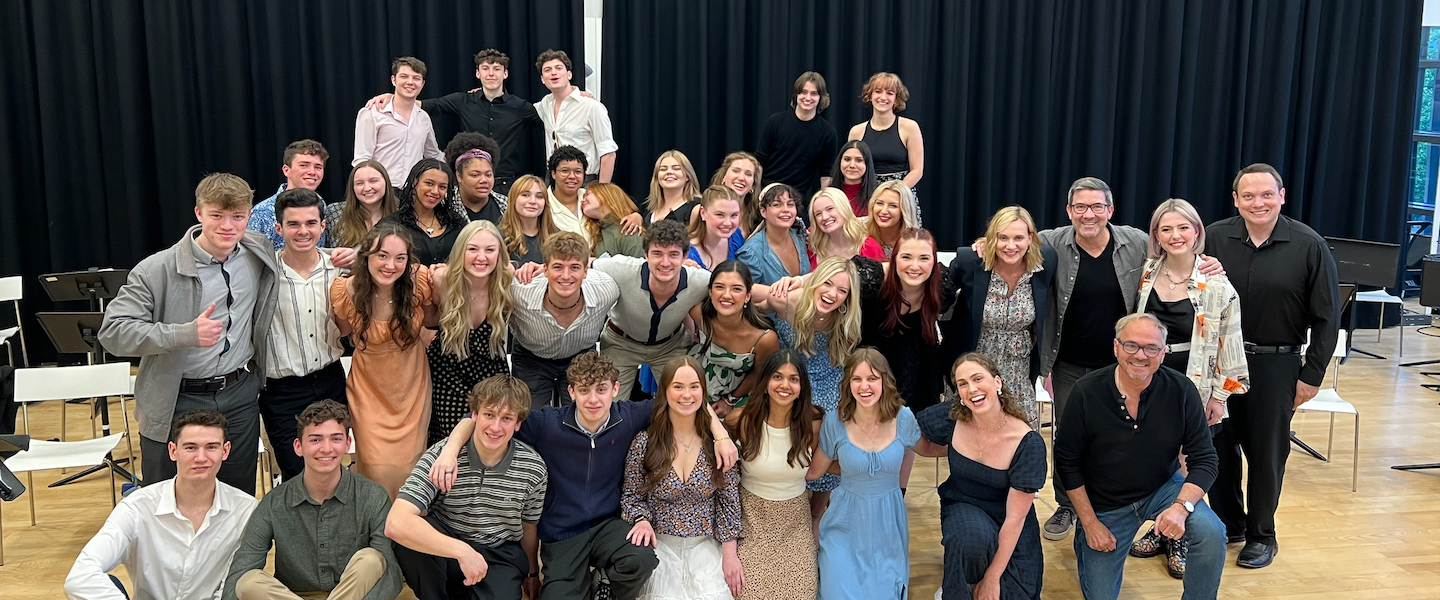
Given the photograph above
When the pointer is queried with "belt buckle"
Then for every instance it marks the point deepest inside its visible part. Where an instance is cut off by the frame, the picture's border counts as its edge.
(220, 379)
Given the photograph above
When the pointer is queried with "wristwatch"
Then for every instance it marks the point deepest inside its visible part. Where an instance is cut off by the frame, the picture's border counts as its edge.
(1189, 507)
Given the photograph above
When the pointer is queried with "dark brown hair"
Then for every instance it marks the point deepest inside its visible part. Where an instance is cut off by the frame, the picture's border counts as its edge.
(591, 368)
(1257, 168)
(311, 147)
(1009, 402)
(491, 55)
(550, 55)
(803, 414)
(660, 451)
(403, 329)
(415, 65)
(200, 418)
(320, 412)
(818, 81)
(890, 401)
(750, 313)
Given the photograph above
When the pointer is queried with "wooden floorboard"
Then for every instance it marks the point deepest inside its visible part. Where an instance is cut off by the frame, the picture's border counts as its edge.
(1380, 542)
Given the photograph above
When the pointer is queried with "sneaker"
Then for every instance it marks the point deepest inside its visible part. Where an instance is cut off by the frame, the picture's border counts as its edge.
(1150, 544)
(1175, 558)
(1060, 524)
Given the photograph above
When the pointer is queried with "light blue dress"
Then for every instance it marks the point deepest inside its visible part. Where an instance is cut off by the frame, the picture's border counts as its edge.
(865, 535)
(824, 383)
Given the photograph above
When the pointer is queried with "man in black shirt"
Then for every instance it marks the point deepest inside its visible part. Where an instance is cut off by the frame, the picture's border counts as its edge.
(1287, 282)
(1124, 427)
(796, 147)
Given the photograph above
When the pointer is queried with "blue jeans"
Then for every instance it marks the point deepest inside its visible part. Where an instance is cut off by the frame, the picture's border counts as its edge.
(1102, 572)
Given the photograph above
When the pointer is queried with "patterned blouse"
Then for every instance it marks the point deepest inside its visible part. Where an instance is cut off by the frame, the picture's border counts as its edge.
(1007, 336)
(1217, 364)
(692, 508)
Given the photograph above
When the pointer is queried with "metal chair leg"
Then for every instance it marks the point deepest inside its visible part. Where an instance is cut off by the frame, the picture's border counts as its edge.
(1355, 458)
(1380, 327)
(1330, 441)
(129, 446)
(30, 483)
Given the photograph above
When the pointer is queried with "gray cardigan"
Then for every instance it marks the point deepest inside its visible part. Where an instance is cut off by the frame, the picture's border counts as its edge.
(154, 314)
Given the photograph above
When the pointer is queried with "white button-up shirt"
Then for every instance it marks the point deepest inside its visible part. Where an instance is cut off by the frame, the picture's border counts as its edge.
(167, 557)
(394, 141)
(303, 337)
(583, 123)
(565, 219)
(538, 331)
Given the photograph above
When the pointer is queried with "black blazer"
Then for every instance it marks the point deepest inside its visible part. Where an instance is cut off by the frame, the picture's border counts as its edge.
(968, 272)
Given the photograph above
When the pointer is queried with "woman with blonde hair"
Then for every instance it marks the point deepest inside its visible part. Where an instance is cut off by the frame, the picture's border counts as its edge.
(1201, 314)
(740, 171)
(715, 237)
(674, 189)
(1005, 291)
(369, 197)
(895, 141)
(526, 223)
(892, 211)
(604, 205)
(835, 231)
(474, 291)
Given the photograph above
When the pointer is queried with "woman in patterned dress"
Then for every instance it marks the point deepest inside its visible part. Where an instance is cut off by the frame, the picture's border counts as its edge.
(822, 321)
(734, 336)
(1005, 289)
(383, 306)
(777, 435)
(474, 291)
(680, 501)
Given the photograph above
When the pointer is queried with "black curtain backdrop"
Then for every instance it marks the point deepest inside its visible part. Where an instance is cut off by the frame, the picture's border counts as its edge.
(114, 109)
(1018, 99)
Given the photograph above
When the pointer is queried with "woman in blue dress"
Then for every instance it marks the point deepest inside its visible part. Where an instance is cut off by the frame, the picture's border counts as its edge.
(715, 236)
(987, 505)
(822, 321)
(865, 535)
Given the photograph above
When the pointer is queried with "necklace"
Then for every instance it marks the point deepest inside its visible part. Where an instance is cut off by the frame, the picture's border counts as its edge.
(558, 307)
(1174, 283)
(689, 446)
(429, 229)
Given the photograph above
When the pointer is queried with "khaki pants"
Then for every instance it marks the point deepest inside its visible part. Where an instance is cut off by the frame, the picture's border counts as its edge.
(365, 569)
(629, 355)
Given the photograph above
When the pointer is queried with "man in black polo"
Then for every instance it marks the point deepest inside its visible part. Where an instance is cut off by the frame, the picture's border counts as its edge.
(1286, 279)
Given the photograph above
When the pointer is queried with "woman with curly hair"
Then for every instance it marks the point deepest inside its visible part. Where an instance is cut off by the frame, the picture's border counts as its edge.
(430, 208)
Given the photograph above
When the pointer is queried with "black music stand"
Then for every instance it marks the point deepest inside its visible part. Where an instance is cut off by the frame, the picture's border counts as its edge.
(74, 333)
(1364, 262)
(94, 284)
(10, 486)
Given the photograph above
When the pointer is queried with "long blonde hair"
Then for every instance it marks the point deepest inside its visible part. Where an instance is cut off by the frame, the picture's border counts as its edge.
(1002, 219)
(845, 332)
(853, 228)
(455, 305)
(907, 206)
(512, 234)
(691, 189)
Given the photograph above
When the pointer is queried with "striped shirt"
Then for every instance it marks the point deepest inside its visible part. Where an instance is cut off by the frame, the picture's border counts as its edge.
(535, 328)
(303, 337)
(487, 504)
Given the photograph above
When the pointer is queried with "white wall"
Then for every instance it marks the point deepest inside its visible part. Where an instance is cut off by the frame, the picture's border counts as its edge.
(594, 10)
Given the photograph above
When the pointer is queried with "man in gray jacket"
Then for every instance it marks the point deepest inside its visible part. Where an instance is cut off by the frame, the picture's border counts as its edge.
(189, 313)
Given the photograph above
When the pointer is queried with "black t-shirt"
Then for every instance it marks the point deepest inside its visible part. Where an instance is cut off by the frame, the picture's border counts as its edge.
(797, 152)
(490, 212)
(532, 253)
(1095, 305)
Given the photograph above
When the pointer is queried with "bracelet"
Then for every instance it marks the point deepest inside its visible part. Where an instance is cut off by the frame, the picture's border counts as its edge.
(1217, 400)
(722, 439)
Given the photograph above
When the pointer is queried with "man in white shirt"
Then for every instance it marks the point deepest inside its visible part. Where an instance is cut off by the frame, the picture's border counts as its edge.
(573, 120)
(400, 134)
(303, 366)
(174, 537)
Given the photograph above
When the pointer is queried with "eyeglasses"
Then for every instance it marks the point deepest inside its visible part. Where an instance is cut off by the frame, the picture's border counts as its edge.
(1089, 208)
(1150, 351)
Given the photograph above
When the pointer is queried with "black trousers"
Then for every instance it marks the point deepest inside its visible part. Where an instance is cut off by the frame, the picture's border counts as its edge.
(1259, 426)
(440, 578)
(566, 564)
(545, 377)
(284, 398)
(239, 403)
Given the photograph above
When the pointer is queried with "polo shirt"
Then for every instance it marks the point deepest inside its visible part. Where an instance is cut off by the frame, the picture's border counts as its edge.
(488, 504)
(636, 313)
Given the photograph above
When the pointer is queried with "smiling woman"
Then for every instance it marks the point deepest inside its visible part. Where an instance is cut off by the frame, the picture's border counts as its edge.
(429, 207)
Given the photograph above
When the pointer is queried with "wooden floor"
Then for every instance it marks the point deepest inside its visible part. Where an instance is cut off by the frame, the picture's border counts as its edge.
(1380, 542)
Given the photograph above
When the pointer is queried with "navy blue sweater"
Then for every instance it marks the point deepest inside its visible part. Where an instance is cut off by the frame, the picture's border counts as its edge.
(585, 476)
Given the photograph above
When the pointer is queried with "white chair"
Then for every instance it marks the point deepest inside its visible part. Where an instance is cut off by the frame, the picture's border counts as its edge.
(1329, 401)
(64, 383)
(265, 466)
(1042, 399)
(345, 363)
(11, 291)
(1383, 298)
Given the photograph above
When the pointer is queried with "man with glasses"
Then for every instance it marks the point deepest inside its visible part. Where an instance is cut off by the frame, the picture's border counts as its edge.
(1125, 427)
(572, 119)
(1287, 283)
(189, 313)
(567, 173)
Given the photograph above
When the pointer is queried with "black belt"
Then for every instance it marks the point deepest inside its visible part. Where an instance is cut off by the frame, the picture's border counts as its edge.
(210, 384)
(1257, 349)
(621, 333)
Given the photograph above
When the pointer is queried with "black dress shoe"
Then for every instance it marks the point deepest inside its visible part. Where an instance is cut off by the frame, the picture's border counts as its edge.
(1256, 555)
(1234, 539)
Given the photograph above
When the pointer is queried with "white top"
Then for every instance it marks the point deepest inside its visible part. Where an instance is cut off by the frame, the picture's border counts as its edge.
(303, 337)
(395, 141)
(536, 329)
(165, 555)
(583, 123)
(769, 476)
(564, 218)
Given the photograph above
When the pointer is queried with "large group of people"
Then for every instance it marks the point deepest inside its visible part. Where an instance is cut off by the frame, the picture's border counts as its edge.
(558, 392)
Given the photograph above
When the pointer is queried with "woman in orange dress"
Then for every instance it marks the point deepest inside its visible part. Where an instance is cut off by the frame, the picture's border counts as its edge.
(389, 382)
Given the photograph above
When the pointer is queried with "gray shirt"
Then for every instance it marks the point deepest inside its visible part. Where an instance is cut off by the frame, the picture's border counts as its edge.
(1131, 244)
(637, 313)
(231, 286)
(315, 541)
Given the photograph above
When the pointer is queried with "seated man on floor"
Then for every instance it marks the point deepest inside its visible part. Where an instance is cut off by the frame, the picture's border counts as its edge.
(477, 539)
(1118, 457)
(327, 525)
(175, 537)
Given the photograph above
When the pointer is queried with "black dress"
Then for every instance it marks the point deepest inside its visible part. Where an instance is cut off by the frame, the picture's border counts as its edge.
(452, 379)
(972, 509)
(920, 368)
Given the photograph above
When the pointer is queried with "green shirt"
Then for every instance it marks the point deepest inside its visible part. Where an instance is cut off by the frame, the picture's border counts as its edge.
(314, 541)
(614, 243)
